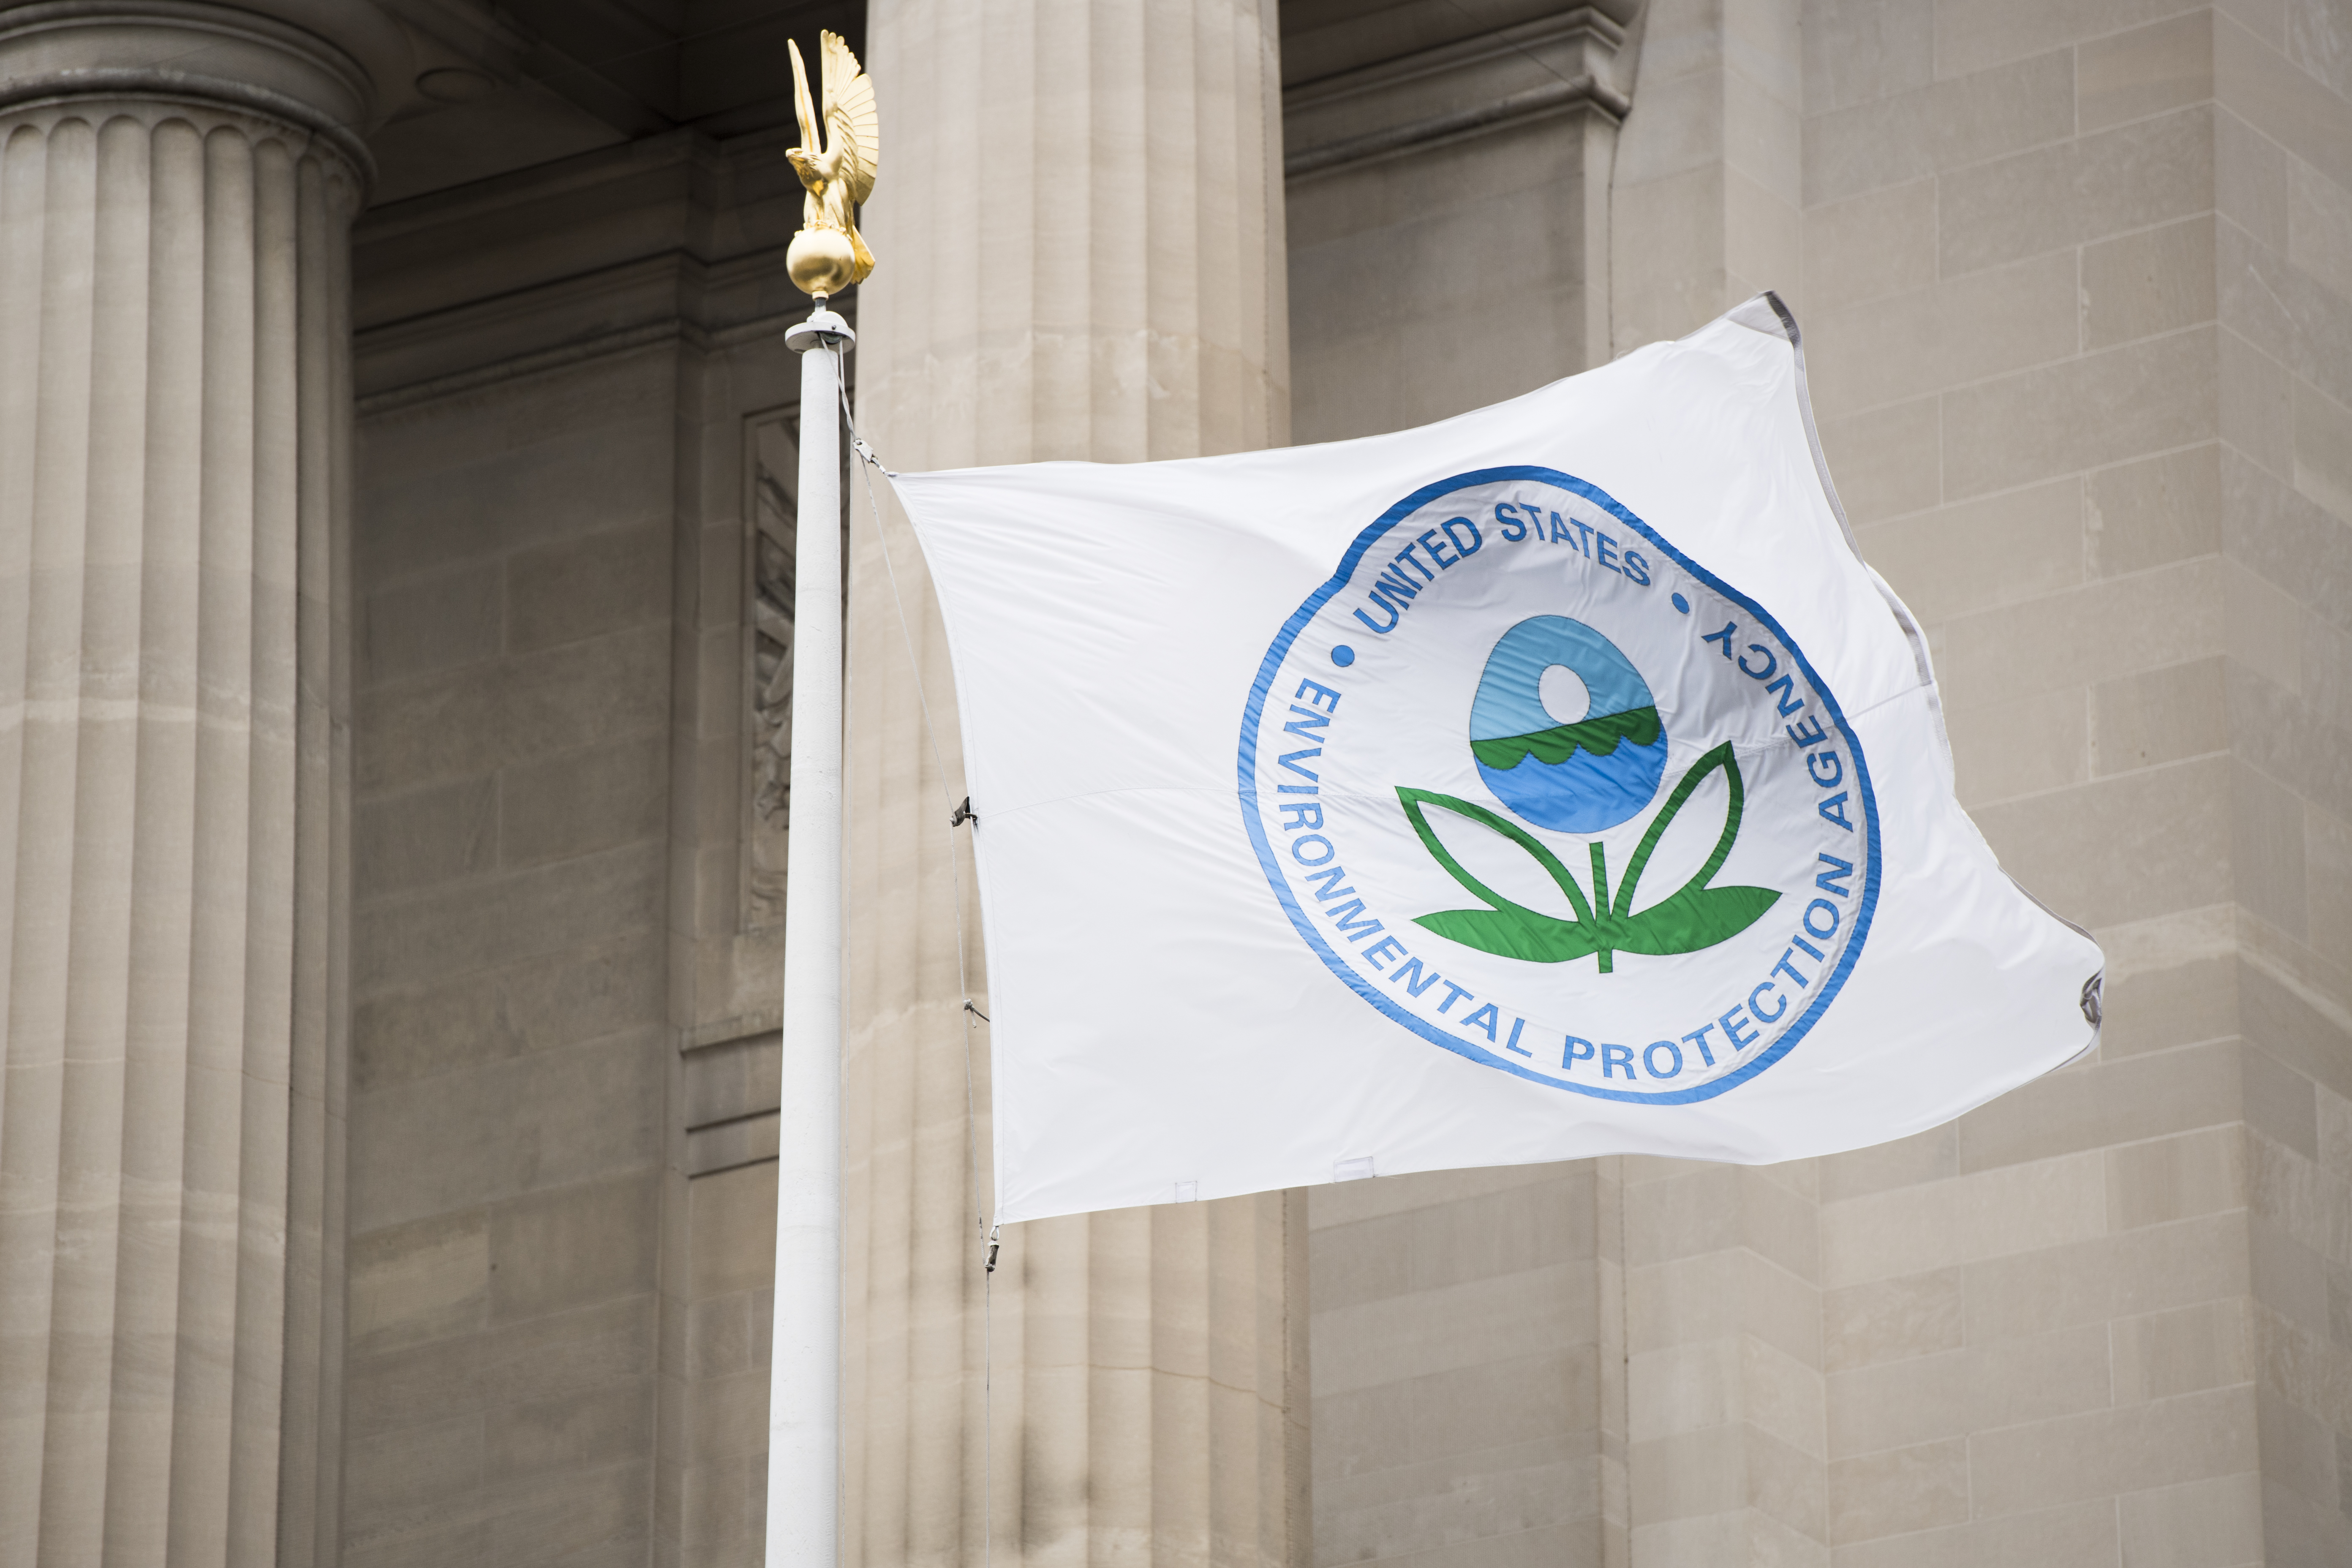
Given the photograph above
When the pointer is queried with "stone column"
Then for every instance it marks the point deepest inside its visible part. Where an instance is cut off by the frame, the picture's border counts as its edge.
(1079, 228)
(1713, 1300)
(1706, 199)
(175, 186)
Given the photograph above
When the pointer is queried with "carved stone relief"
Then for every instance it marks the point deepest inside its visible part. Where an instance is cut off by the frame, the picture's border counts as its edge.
(775, 470)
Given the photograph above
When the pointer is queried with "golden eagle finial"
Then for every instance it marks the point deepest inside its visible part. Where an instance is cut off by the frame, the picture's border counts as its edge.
(828, 254)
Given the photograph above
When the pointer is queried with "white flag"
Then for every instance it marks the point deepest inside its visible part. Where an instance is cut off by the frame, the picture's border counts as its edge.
(1552, 781)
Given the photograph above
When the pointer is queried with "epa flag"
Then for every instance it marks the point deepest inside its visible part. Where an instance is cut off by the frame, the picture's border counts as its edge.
(1553, 781)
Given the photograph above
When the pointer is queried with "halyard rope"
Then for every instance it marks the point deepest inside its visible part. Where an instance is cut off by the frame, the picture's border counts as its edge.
(858, 444)
(959, 815)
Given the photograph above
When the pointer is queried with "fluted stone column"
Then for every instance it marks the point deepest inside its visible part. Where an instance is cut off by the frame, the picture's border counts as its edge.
(175, 186)
(1079, 230)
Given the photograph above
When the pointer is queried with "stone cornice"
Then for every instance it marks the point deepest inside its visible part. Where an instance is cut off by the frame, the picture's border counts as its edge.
(672, 240)
(665, 301)
(1553, 65)
(536, 227)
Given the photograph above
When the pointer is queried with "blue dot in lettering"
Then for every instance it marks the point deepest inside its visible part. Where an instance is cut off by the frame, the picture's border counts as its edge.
(1343, 656)
(1682, 603)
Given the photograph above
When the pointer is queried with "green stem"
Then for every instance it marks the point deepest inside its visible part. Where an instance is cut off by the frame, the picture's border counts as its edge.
(1600, 903)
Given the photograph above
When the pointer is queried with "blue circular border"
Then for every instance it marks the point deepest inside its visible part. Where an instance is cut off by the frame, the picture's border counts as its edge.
(1252, 713)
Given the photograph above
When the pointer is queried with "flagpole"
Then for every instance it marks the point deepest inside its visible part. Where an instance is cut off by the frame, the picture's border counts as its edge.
(805, 1358)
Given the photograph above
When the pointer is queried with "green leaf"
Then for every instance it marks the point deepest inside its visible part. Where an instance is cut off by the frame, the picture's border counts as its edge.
(1513, 932)
(1694, 918)
(1504, 928)
(1556, 745)
(1416, 801)
(1721, 757)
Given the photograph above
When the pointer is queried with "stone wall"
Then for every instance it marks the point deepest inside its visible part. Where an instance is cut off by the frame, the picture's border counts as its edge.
(2076, 287)
(2283, 265)
(2060, 350)
(563, 1064)
(1448, 200)
(1458, 1365)
(508, 981)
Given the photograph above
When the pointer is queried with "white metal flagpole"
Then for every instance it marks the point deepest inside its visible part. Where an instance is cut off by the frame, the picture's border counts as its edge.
(805, 1365)
(825, 257)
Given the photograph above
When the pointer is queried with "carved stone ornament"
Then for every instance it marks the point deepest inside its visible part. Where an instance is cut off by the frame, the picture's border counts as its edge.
(771, 505)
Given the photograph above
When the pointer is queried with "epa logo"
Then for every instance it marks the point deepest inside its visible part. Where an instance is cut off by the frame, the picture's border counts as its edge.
(1549, 795)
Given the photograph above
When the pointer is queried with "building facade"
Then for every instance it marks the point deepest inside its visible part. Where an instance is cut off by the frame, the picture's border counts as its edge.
(396, 520)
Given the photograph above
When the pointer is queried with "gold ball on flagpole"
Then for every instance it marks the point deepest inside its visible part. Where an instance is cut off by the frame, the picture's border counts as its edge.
(821, 261)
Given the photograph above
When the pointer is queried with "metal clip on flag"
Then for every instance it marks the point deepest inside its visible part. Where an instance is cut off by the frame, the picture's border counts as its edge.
(1553, 781)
